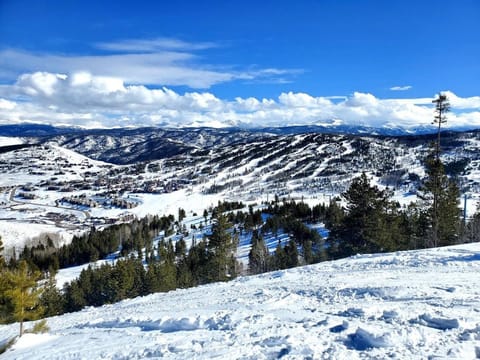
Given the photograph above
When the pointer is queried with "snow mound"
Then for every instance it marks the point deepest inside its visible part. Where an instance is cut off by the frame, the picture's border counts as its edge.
(438, 323)
(363, 339)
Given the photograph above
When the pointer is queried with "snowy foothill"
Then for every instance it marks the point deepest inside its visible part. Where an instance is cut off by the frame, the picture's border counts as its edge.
(404, 305)
(15, 234)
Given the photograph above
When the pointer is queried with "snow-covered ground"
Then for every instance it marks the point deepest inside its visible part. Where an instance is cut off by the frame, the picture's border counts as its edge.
(15, 234)
(421, 304)
(7, 141)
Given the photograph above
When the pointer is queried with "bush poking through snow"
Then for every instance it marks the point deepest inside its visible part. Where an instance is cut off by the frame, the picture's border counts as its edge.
(40, 327)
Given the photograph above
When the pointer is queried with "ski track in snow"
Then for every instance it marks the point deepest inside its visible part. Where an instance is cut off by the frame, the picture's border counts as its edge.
(422, 304)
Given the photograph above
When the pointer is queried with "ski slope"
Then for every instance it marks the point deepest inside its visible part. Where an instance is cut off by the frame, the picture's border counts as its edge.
(404, 305)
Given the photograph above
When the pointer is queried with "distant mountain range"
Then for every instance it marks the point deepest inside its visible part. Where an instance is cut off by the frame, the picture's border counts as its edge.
(131, 145)
(42, 130)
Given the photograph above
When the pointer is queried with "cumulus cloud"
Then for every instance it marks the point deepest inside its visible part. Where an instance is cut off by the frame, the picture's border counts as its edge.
(462, 103)
(84, 99)
(401, 88)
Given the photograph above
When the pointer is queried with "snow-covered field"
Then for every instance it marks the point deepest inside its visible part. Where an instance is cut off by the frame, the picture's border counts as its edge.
(408, 305)
(7, 141)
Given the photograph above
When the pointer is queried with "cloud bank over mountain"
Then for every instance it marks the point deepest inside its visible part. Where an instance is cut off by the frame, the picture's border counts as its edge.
(84, 99)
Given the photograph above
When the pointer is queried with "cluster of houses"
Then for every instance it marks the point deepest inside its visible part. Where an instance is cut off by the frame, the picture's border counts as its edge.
(89, 202)
(80, 200)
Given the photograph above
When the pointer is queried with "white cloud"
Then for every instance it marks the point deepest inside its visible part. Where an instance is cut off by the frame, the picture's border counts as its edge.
(160, 62)
(153, 45)
(165, 68)
(303, 100)
(462, 103)
(401, 88)
(81, 98)
(7, 105)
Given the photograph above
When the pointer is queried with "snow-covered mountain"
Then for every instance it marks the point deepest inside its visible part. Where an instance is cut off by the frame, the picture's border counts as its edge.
(160, 170)
(422, 304)
(131, 145)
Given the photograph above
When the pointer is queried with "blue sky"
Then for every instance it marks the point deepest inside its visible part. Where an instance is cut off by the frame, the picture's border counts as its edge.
(316, 54)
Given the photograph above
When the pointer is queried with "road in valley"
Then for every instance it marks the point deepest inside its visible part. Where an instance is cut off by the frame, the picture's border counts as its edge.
(12, 196)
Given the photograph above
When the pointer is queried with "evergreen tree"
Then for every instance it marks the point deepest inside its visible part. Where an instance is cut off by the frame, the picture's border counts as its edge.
(415, 226)
(167, 272)
(52, 300)
(184, 275)
(279, 259)
(74, 297)
(181, 214)
(318, 212)
(198, 263)
(440, 192)
(291, 254)
(472, 231)
(222, 246)
(180, 248)
(366, 227)
(6, 306)
(24, 294)
(258, 255)
(442, 106)
(441, 196)
(333, 215)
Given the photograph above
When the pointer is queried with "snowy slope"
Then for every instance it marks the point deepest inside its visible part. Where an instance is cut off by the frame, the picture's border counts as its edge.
(410, 305)
(6, 141)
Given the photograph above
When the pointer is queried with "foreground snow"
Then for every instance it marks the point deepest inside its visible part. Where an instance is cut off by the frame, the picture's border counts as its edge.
(406, 305)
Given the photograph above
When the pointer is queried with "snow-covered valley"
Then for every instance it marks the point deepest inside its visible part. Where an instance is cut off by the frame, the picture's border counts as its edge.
(59, 191)
(405, 305)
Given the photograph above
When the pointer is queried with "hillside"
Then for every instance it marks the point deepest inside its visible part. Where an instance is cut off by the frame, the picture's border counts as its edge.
(48, 183)
(406, 305)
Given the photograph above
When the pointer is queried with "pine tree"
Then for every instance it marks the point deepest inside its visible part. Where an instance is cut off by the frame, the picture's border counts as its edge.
(6, 306)
(180, 248)
(291, 254)
(279, 258)
(442, 106)
(24, 294)
(181, 214)
(258, 255)
(441, 196)
(472, 231)
(221, 246)
(334, 215)
(440, 192)
(167, 272)
(52, 299)
(184, 275)
(75, 297)
(366, 226)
